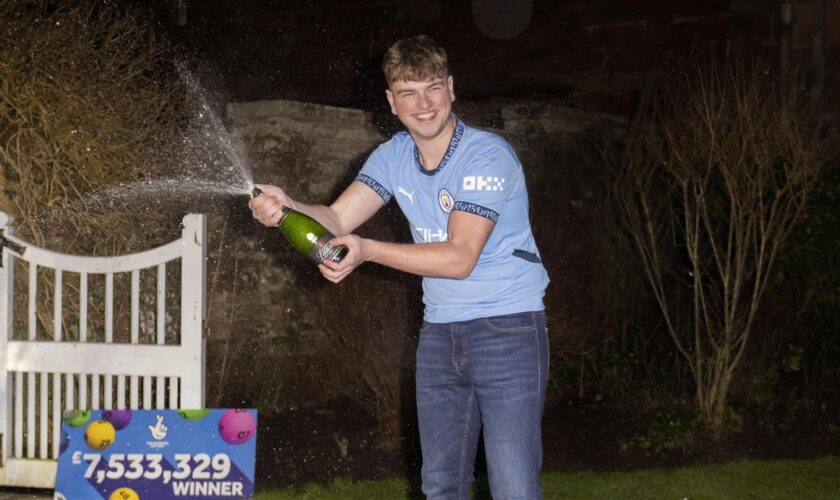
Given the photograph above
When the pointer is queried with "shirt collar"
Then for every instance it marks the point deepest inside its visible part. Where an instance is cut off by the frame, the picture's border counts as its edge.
(453, 144)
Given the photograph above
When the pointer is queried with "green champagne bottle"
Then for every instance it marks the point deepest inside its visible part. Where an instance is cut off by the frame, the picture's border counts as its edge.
(307, 235)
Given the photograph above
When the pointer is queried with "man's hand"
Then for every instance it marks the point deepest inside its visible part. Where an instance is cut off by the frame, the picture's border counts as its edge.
(268, 207)
(356, 254)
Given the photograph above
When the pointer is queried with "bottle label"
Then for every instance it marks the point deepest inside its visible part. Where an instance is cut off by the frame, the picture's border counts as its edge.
(322, 250)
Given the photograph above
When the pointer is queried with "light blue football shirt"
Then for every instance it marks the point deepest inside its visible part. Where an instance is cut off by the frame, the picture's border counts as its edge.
(481, 174)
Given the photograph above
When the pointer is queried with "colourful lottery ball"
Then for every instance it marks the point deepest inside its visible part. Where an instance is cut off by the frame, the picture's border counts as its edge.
(124, 494)
(76, 418)
(100, 434)
(64, 443)
(118, 418)
(194, 415)
(237, 426)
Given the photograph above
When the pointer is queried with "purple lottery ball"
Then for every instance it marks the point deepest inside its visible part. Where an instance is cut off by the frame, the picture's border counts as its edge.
(237, 426)
(118, 418)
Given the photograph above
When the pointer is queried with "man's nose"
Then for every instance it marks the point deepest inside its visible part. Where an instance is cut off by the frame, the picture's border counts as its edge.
(424, 101)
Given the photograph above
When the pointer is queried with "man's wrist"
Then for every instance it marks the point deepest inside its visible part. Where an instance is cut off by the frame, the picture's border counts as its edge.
(368, 249)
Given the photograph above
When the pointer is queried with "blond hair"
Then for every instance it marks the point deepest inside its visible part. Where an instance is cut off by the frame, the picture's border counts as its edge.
(418, 58)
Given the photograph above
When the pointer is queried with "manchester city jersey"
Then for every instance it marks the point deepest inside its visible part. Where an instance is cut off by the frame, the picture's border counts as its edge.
(480, 174)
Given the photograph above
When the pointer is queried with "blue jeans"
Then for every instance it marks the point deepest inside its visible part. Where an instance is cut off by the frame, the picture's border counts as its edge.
(490, 373)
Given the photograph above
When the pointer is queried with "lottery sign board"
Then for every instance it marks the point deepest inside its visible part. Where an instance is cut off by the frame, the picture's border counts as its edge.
(157, 454)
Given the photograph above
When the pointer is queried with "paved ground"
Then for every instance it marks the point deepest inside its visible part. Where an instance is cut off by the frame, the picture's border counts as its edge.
(24, 494)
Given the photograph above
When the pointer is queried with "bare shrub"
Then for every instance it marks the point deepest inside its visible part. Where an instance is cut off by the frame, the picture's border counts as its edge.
(572, 225)
(370, 323)
(90, 99)
(711, 177)
(370, 359)
(94, 102)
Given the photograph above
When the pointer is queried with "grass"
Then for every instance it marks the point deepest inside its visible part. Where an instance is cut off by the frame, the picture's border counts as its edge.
(783, 479)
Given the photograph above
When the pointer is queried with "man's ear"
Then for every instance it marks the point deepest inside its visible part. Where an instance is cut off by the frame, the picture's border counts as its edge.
(390, 96)
(451, 87)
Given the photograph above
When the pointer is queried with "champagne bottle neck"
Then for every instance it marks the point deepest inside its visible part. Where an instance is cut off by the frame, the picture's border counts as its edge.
(285, 211)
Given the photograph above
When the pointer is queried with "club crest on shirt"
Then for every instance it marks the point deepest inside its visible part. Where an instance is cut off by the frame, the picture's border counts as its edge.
(446, 200)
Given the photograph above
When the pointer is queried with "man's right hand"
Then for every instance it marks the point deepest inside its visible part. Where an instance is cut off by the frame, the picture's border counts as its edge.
(268, 206)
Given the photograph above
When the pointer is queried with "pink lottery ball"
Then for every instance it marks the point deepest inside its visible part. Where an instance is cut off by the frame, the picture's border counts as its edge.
(237, 426)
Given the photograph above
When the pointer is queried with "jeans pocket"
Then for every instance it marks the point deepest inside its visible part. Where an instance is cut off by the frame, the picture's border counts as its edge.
(511, 323)
(426, 326)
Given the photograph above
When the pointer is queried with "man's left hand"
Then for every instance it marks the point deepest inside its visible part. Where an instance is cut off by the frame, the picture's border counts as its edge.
(356, 254)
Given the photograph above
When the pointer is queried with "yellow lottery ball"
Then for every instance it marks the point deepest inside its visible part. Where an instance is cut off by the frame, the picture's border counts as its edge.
(124, 494)
(100, 434)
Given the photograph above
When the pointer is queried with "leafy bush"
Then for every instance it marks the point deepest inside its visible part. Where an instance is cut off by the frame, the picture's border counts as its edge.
(667, 431)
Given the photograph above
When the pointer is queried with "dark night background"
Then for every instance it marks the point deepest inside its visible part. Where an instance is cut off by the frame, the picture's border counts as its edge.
(591, 55)
(620, 396)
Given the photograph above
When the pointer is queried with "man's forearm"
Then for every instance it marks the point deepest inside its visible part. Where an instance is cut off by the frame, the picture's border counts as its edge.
(352, 208)
(441, 260)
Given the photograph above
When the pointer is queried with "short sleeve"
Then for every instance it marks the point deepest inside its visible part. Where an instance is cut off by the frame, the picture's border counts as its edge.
(374, 175)
(491, 175)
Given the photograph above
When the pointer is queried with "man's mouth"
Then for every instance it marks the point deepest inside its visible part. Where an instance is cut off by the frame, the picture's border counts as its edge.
(425, 116)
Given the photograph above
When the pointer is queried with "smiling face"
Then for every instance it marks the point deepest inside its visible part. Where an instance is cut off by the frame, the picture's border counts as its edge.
(424, 107)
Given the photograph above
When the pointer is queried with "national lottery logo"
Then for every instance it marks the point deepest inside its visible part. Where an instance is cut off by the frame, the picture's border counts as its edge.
(159, 429)
(158, 432)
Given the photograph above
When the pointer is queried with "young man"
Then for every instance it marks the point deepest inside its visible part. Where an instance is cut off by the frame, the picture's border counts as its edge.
(482, 359)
